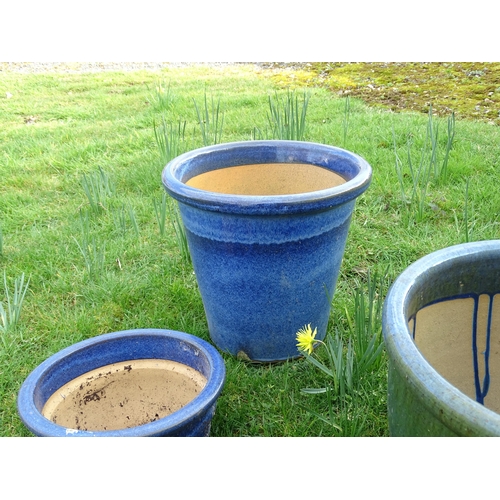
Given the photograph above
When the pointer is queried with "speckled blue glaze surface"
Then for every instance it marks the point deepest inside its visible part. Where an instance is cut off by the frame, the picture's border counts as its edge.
(420, 401)
(266, 265)
(194, 419)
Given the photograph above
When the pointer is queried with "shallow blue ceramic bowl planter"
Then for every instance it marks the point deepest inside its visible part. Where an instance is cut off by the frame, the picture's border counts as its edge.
(193, 419)
(266, 265)
(441, 326)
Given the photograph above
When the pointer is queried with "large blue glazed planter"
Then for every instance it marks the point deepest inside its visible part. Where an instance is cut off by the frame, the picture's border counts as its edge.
(441, 325)
(193, 419)
(266, 264)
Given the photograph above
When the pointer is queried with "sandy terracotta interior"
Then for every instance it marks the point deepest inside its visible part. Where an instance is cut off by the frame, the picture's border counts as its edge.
(443, 335)
(267, 179)
(123, 395)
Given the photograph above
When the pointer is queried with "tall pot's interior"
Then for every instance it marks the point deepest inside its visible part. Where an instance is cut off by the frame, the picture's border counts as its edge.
(267, 179)
(460, 338)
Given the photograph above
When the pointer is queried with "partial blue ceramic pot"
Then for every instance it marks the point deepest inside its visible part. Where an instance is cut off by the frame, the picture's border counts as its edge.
(441, 325)
(266, 257)
(193, 419)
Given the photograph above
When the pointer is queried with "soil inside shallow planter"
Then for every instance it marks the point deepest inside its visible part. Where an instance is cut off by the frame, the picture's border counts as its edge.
(124, 395)
(460, 338)
(267, 179)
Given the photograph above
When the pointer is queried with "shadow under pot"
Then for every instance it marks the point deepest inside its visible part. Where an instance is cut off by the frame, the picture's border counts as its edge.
(441, 325)
(266, 224)
(130, 383)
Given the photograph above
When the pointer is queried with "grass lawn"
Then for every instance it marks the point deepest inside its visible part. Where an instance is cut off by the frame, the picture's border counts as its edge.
(101, 262)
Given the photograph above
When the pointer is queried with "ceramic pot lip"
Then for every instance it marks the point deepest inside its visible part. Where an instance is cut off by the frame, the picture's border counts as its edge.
(351, 166)
(404, 299)
(41, 426)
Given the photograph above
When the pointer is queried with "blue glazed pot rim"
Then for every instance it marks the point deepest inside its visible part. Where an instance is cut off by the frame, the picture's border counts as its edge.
(39, 425)
(405, 297)
(352, 167)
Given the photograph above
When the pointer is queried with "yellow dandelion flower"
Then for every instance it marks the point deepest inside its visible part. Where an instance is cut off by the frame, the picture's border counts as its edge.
(306, 339)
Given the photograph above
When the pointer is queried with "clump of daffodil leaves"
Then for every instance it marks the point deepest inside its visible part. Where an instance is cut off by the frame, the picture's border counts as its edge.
(338, 368)
(349, 356)
(344, 364)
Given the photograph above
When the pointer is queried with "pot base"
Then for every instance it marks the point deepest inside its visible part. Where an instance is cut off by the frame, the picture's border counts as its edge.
(124, 395)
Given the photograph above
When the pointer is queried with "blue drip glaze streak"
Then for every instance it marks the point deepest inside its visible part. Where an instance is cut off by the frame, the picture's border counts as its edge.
(486, 383)
(481, 392)
(477, 384)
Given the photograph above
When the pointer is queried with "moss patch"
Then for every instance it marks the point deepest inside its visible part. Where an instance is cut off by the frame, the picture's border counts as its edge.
(470, 90)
